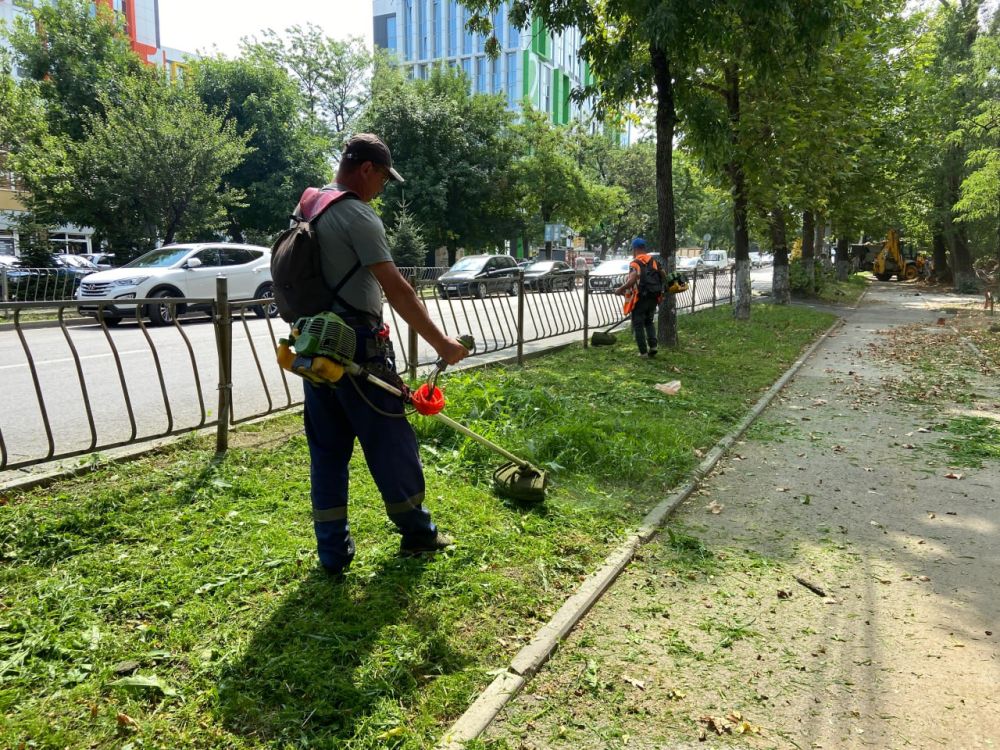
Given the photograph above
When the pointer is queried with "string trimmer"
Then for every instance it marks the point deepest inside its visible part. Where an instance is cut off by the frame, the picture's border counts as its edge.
(321, 349)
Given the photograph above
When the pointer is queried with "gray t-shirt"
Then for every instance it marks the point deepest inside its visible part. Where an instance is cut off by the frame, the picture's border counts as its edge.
(350, 231)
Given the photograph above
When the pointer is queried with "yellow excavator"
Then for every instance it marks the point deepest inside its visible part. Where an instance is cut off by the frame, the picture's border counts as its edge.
(890, 261)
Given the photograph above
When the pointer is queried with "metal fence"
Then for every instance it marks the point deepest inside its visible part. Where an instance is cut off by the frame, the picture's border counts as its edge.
(38, 284)
(70, 391)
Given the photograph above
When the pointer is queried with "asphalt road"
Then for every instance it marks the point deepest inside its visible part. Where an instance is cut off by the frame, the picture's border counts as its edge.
(140, 387)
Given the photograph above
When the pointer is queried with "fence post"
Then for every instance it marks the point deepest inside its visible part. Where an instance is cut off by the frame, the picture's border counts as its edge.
(715, 283)
(224, 342)
(586, 306)
(694, 290)
(3, 288)
(411, 336)
(732, 279)
(520, 316)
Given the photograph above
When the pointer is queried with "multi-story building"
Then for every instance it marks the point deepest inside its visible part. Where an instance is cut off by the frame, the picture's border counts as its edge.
(142, 24)
(534, 64)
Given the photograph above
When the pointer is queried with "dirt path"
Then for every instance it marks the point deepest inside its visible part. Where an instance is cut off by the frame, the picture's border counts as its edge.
(709, 639)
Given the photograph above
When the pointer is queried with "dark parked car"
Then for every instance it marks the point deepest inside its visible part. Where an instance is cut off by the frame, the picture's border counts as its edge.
(479, 275)
(549, 276)
(74, 265)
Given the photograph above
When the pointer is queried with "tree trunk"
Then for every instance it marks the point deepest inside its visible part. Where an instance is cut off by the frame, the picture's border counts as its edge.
(666, 122)
(779, 248)
(942, 271)
(954, 232)
(809, 246)
(236, 231)
(843, 249)
(741, 290)
(452, 252)
(819, 248)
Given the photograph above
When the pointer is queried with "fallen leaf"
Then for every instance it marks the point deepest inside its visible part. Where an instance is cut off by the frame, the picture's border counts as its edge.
(124, 720)
(819, 402)
(670, 389)
(715, 724)
(781, 489)
(783, 594)
(715, 507)
(634, 682)
(952, 475)
(144, 682)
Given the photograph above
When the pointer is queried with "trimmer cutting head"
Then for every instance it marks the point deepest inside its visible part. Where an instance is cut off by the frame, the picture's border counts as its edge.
(523, 483)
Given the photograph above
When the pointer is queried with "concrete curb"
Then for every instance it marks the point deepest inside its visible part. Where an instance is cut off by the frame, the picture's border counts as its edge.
(530, 659)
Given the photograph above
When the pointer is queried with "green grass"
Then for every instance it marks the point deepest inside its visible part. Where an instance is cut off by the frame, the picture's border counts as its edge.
(844, 292)
(203, 573)
(972, 441)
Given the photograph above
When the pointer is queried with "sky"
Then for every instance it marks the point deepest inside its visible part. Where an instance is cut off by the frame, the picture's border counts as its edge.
(207, 25)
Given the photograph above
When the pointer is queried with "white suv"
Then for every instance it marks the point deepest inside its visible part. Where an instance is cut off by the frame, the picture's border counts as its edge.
(180, 271)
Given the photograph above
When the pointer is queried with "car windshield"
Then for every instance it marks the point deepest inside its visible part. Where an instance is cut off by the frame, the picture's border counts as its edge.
(163, 257)
(614, 266)
(76, 260)
(540, 265)
(472, 263)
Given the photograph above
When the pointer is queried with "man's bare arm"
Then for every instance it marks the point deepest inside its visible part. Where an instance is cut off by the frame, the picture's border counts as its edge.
(405, 301)
(630, 282)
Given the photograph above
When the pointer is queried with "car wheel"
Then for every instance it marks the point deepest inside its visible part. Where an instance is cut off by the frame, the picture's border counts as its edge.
(512, 291)
(162, 313)
(481, 289)
(270, 310)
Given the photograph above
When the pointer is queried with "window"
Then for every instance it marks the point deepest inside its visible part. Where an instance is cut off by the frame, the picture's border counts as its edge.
(481, 75)
(512, 92)
(6, 242)
(497, 75)
(390, 33)
(408, 30)
(438, 29)
(513, 35)
(208, 257)
(454, 28)
(237, 256)
(467, 69)
(466, 34)
(498, 25)
(422, 16)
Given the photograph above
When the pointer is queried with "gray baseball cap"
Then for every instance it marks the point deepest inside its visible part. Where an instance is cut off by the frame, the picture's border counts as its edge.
(369, 147)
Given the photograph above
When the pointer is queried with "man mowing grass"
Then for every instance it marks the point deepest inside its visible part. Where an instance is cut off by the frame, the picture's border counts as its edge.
(356, 262)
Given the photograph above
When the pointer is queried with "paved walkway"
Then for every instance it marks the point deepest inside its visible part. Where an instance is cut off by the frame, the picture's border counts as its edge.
(830, 586)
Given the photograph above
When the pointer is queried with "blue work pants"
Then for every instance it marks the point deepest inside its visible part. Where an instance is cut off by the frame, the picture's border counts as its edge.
(334, 417)
(642, 323)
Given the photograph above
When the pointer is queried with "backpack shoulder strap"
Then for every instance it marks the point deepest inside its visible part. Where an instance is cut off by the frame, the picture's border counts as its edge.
(315, 201)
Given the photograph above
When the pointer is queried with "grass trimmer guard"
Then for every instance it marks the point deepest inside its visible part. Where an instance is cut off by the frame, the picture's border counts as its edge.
(520, 482)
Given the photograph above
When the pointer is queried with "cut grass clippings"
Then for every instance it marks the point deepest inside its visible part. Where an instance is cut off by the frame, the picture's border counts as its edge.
(175, 601)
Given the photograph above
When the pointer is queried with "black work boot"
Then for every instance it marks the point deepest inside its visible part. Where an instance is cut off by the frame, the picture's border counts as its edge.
(414, 547)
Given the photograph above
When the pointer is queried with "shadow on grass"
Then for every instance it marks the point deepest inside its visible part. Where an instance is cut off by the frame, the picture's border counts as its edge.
(338, 660)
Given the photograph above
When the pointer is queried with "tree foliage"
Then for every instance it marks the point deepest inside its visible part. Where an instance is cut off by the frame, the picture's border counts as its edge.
(332, 75)
(285, 154)
(78, 54)
(455, 152)
(163, 185)
(406, 241)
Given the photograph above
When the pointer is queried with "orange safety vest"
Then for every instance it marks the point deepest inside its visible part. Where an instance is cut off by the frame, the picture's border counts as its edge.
(632, 295)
